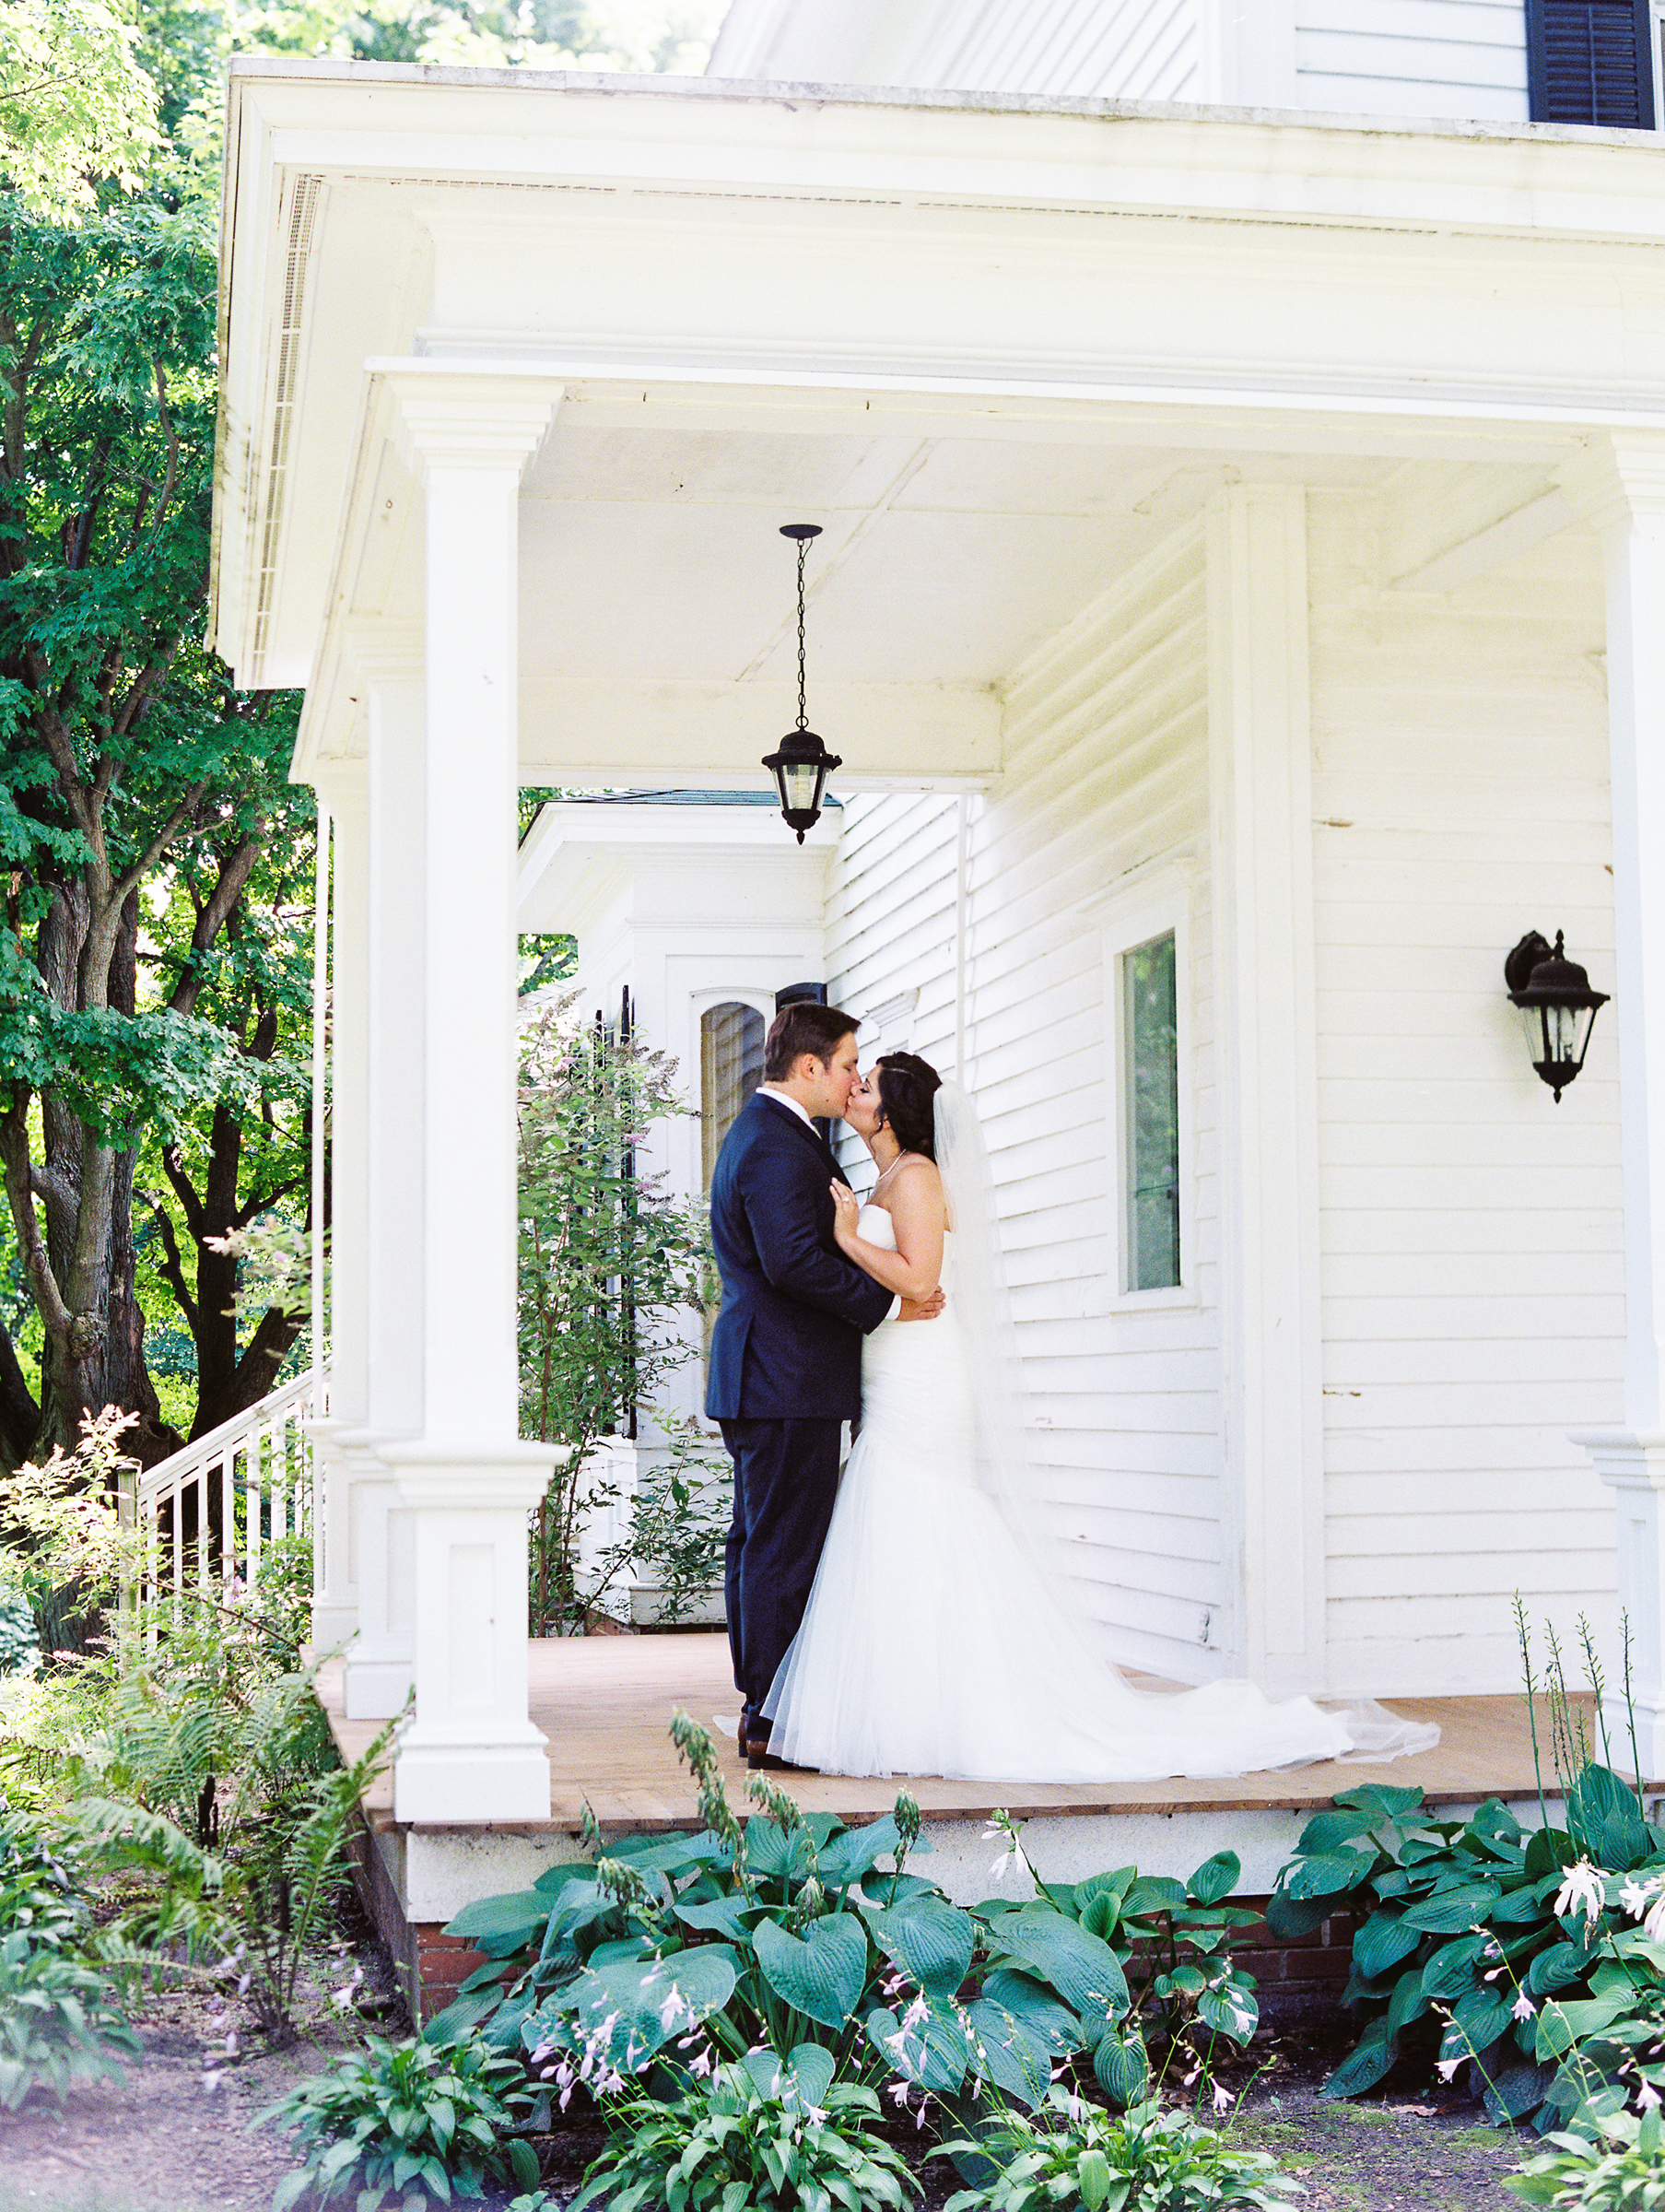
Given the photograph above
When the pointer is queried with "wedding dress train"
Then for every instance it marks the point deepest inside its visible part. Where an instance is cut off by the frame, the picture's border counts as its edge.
(936, 1641)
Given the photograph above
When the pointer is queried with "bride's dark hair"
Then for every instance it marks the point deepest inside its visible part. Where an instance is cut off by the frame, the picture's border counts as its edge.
(907, 1088)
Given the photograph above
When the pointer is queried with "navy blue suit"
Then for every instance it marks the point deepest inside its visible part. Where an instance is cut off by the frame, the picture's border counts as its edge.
(785, 1370)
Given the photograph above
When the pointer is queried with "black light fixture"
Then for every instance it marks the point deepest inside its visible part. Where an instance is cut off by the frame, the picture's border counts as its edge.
(1557, 1004)
(801, 763)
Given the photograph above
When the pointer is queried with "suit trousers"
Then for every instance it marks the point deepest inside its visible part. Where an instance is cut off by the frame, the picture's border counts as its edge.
(786, 1481)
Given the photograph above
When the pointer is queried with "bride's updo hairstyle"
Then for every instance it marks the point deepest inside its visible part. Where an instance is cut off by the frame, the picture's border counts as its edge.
(907, 1088)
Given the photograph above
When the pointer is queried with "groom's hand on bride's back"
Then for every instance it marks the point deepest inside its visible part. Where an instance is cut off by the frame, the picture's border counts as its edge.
(922, 1308)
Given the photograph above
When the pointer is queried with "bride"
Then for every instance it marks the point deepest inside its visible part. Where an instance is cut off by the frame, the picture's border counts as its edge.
(941, 1635)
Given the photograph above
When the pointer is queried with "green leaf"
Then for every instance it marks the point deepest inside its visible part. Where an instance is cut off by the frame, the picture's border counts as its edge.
(1554, 1969)
(850, 1855)
(1122, 2069)
(717, 1916)
(1083, 1969)
(1093, 2179)
(820, 1973)
(1371, 2059)
(930, 1939)
(1216, 1878)
(1232, 2012)
(933, 2052)
(1449, 1911)
(505, 1923)
(525, 2160)
(1329, 1874)
(1378, 1802)
(774, 1856)
(1015, 2051)
(1382, 1942)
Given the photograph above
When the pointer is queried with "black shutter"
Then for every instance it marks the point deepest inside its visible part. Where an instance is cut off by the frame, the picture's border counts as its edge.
(1592, 61)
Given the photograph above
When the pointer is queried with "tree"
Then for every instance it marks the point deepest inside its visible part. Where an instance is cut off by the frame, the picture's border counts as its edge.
(131, 775)
(76, 106)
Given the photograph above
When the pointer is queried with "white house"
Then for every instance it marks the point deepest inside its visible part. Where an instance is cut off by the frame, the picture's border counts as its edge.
(1243, 542)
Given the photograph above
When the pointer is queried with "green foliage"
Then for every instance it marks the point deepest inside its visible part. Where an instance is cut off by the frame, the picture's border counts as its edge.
(679, 1520)
(58, 2023)
(607, 1262)
(64, 1545)
(782, 1930)
(1474, 1927)
(426, 2121)
(1622, 2170)
(763, 2133)
(1074, 2154)
(75, 104)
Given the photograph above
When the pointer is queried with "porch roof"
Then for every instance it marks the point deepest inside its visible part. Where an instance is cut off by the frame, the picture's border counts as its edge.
(998, 346)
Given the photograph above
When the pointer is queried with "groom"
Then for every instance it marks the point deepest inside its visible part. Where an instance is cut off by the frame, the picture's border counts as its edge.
(786, 1353)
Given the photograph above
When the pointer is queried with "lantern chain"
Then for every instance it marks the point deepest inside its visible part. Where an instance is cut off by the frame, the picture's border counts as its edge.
(802, 708)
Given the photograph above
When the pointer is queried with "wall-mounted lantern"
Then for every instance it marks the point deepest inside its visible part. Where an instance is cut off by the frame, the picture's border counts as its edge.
(801, 763)
(1557, 1004)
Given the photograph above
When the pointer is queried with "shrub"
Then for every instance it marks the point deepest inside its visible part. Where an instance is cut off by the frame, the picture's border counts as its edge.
(1622, 2170)
(58, 2022)
(784, 1931)
(764, 2133)
(1471, 1923)
(425, 2116)
(1073, 2154)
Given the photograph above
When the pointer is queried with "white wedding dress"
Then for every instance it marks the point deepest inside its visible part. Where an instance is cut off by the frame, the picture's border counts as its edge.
(934, 1640)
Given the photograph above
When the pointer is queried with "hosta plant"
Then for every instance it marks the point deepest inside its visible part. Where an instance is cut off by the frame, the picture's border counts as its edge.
(784, 1930)
(764, 2134)
(418, 2121)
(1073, 2154)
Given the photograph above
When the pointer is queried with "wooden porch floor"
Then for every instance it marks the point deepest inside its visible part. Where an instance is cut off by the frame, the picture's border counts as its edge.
(605, 1703)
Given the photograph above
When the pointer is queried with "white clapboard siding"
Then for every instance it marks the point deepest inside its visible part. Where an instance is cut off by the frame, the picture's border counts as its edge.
(1472, 1270)
(1460, 59)
(1096, 49)
(1106, 749)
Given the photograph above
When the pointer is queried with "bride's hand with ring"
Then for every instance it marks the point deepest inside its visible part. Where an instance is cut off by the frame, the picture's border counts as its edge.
(847, 1213)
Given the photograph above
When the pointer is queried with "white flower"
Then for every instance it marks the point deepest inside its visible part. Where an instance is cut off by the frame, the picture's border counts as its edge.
(1633, 1895)
(1654, 1925)
(919, 2010)
(673, 2004)
(1647, 2097)
(998, 1871)
(1073, 2106)
(815, 2116)
(1221, 2098)
(898, 2093)
(1447, 2067)
(1524, 2007)
(920, 2116)
(1584, 1890)
(702, 2064)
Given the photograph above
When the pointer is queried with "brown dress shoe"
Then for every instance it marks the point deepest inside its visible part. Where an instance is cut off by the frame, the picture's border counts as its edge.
(758, 1755)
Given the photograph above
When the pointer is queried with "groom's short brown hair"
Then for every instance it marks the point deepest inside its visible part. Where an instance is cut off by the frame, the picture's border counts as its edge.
(804, 1028)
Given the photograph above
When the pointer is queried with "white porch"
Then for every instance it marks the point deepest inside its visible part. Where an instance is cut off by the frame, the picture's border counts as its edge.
(522, 375)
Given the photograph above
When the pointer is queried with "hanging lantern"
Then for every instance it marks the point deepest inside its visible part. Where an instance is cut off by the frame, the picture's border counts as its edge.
(1557, 1006)
(801, 763)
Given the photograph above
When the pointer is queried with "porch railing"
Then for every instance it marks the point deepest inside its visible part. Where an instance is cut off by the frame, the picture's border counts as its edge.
(204, 1516)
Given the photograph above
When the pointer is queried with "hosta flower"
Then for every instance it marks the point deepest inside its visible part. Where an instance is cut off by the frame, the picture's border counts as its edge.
(1221, 2098)
(897, 2092)
(1524, 2007)
(1654, 1925)
(1447, 2067)
(1633, 1895)
(919, 2010)
(702, 2064)
(1584, 1890)
(672, 2009)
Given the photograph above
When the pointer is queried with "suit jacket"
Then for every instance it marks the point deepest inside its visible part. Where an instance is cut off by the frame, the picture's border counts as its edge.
(788, 1341)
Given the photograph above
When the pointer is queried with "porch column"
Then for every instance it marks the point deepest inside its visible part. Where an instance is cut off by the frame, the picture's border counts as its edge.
(336, 1603)
(1618, 483)
(1261, 812)
(387, 660)
(471, 1753)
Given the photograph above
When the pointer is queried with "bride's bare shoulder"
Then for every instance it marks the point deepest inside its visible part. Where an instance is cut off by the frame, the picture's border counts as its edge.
(921, 1178)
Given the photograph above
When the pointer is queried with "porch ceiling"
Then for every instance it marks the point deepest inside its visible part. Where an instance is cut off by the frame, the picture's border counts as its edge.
(996, 349)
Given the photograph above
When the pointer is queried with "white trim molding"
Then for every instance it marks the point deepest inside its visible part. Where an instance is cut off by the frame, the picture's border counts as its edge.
(1271, 1325)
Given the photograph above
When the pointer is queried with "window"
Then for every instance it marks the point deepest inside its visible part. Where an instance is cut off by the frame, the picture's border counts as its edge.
(1150, 1088)
(731, 1067)
(1592, 61)
(1143, 918)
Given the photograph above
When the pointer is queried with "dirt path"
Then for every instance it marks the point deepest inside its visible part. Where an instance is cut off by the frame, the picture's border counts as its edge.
(176, 2136)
